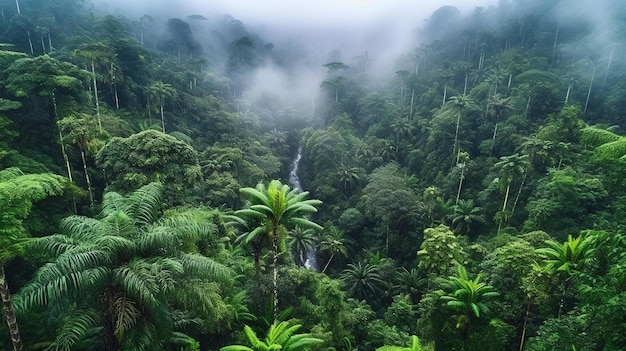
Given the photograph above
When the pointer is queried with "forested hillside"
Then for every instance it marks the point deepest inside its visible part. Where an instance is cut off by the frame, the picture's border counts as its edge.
(469, 195)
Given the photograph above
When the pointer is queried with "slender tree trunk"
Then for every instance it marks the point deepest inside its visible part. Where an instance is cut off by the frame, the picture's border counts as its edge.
(17, 3)
(275, 273)
(445, 92)
(608, 66)
(43, 45)
(465, 86)
(456, 138)
(506, 200)
(95, 92)
(30, 43)
(117, 100)
(412, 99)
(519, 191)
(87, 179)
(593, 74)
(527, 107)
(162, 118)
(49, 42)
(458, 192)
(9, 312)
(493, 139)
(569, 88)
(556, 39)
(328, 263)
(523, 338)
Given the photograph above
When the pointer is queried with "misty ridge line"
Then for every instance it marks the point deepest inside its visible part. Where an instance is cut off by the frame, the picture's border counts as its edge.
(290, 69)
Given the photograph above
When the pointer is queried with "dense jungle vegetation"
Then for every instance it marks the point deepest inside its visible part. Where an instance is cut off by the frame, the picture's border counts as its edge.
(472, 197)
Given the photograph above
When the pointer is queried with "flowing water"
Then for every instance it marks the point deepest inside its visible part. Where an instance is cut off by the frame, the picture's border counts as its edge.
(311, 255)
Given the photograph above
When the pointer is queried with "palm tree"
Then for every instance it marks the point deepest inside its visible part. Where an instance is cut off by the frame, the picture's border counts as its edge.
(362, 281)
(276, 207)
(18, 192)
(499, 104)
(160, 91)
(411, 283)
(280, 336)
(460, 104)
(82, 131)
(466, 214)
(563, 260)
(301, 240)
(510, 167)
(348, 175)
(333, 242)
(121, 272)
(467, 296)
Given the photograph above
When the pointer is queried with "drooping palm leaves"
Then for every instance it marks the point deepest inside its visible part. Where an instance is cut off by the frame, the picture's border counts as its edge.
(129, 265)
(18, 192)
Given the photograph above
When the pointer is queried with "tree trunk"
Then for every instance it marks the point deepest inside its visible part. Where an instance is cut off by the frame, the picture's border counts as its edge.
(275, 273)
(521, 343)
(87, 179)
(445, 92)
(593, 74)
(411, 109)
(9, 312)
(17, 3)
(458, 193)
(519, 191)
(30, 43)
(162, 118)
(328, 263)
(95, 93)
(493, 139)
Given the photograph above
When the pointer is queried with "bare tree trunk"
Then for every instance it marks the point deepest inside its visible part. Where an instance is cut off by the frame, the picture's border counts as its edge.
(445, 92)
(608, 66)
(593, 74)
(521, 343)
(17, 3)
(412, 99)
(9, 312)
(95, 92)
(556, 39)
(275, 268)
(519, 191)
(162, 118)
(328, 263)
(458, 192)
(30, 43)
(87, 179)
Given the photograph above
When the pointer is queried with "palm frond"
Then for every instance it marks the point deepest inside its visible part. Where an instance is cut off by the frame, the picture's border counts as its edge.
(146, 202)
(77, 324)
(202, 266)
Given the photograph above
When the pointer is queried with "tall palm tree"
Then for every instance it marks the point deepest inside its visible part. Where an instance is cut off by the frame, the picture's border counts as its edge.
(301, 240)
(563, 260)
(466, 214)
(362, 281)
(510, 167)
(500, 105)
(160, 91)
(468, 297)
(334, 243)
(121, 272)
(280, 336)
(18, 192)
(277, 207)
(460, 104)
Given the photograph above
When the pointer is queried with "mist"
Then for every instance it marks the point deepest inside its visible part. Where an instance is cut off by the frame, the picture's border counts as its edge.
(304, 35)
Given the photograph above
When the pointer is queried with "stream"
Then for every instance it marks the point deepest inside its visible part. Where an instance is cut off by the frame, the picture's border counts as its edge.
(294, 180)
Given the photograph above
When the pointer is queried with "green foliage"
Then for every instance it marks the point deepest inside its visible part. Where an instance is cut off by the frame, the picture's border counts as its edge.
(440, 251)
(280, 336)
(129, 265)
